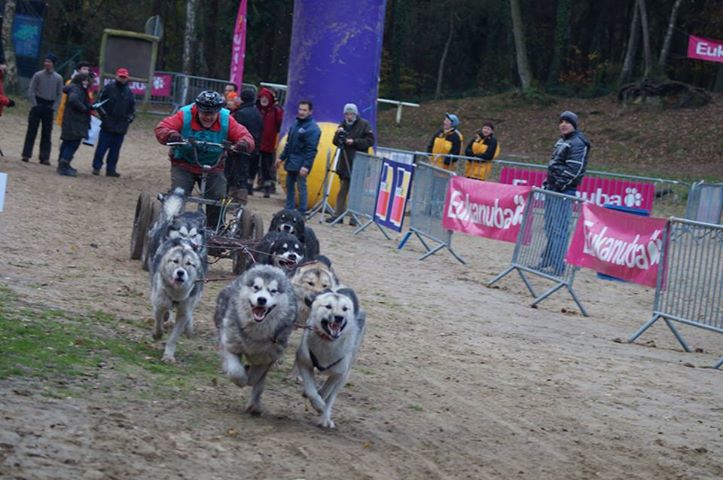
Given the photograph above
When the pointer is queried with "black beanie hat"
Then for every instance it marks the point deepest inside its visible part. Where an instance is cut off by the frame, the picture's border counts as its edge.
(570, 117)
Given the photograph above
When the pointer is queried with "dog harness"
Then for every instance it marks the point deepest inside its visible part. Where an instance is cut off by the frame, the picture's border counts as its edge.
(315, 362)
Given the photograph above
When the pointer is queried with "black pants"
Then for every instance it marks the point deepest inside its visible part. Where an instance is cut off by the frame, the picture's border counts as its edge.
(237, 170)
(39, 115)
(215, 190)
(267, 167)
(253, 168)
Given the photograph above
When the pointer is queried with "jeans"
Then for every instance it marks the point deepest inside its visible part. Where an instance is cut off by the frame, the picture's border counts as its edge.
(557, 227)
(111, 143)
(39, 114)
(292, 179)
(68, 149)
(215, 189)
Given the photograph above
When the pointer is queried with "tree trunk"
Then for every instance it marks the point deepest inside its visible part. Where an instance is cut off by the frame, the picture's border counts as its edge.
(189, 36)
(523, 64)
(440, 71)
(397, 47)
(647, 56)
(632, 49)
(668, 37)
(562, 35)
(11, 73)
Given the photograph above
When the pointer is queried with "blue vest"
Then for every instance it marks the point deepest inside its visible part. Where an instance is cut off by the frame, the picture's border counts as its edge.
(206, 155)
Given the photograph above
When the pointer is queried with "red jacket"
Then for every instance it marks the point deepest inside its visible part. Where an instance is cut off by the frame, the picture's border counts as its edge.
(4, 101)
(174, 124)
(272, 115)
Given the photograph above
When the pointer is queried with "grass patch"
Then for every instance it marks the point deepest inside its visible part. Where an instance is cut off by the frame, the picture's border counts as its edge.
(49, 343)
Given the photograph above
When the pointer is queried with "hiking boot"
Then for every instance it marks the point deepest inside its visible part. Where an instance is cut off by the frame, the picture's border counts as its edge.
(333, 219)
(25, 159)
(44, 162)
(96, 171)
(65, 169)
(112, 174)
(353, 222)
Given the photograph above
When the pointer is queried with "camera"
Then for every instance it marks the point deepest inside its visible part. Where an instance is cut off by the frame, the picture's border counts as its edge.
(341, 136)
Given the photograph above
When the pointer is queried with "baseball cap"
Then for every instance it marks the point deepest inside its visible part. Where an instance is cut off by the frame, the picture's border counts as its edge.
(122, 72)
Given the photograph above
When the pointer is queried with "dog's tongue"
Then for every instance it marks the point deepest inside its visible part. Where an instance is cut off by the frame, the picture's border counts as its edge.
(259, 313)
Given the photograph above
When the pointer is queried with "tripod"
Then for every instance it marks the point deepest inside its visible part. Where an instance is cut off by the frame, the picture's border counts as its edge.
(322, 206)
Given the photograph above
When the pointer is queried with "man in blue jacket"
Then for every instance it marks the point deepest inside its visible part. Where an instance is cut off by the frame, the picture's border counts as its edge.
(298, 155)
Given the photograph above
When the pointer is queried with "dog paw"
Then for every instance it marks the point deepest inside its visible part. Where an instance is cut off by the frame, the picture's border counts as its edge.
(326, 423)
(167, 358)
(238, 376)
(254, 409)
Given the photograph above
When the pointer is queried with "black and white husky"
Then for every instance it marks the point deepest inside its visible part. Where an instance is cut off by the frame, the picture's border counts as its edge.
(292, 221)
(279, 249)
(177, 276)
(254, 316)
(330, 343)
(173, 222)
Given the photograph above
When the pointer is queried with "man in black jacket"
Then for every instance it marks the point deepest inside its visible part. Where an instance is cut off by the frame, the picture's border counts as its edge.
(241, 168)
(353, 135)
(117, 109)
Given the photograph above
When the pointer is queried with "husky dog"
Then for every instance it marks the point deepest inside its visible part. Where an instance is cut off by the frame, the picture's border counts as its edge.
(330, 345)
(254, 316)
(292, 221)
(173, 223)
(176, 283)
(280, 249)
(310, 278)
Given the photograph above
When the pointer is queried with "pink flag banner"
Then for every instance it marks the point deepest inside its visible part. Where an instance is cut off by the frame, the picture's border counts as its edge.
(618, 244)
(599, 191)
(484, 209)
(238, 46)
(705, 49)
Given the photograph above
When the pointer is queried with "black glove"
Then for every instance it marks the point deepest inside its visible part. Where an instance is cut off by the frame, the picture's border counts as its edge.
(11, 102)
(174, 137)
(240, 147)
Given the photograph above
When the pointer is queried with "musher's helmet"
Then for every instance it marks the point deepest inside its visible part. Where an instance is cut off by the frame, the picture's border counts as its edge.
(209, 101)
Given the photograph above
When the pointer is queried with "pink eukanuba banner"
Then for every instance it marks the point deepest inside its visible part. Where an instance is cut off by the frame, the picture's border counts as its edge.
(484, 209)
(600, 191)
(705, 49)
(619, 244)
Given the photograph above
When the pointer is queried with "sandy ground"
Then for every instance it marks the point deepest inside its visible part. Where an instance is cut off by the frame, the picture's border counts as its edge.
(455, 380)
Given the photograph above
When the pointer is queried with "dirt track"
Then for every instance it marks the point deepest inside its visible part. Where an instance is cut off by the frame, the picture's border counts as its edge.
(454, 380)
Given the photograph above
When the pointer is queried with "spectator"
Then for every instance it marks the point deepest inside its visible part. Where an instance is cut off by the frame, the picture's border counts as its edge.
(353, 135)
(81, 67)
(44, 93)
(232, 101)
(272, 115)
(203, 120)
(230, 87)
(484, 146)
(565, 171)
(117, 109)
(240, 164)
(4, 101)
(298, 155)
(446, 141)
(76, 122)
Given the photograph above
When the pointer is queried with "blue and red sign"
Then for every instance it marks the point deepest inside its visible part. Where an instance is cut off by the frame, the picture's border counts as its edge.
(395, 183)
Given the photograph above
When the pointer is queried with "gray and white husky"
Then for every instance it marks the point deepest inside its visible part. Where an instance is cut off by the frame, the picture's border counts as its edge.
(330, 343)
(254, 316)
(176, 285)
(173, 222)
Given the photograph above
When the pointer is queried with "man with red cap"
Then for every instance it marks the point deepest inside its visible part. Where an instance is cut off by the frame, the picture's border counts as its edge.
(116, 108)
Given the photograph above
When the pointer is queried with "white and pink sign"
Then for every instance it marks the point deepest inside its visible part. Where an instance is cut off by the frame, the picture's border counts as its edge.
(705, 49)
(619, 244)
(238, 45)
(485, 209)
(162, 83)
(599, 191)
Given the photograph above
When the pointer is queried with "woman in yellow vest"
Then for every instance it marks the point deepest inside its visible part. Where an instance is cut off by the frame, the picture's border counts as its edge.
(446, 141)
(81, 67)
(484, 146)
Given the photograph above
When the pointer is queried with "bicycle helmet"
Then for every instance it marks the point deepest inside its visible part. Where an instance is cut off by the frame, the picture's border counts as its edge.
(209, 101)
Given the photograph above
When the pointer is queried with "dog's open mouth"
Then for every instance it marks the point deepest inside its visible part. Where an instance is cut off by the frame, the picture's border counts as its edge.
(260, 313)
(287, 263)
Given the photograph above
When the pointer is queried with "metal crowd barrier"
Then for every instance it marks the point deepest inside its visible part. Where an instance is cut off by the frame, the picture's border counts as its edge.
(690, 281)
(363, 186)
(187, 87)
(705, 203)
(429, 191)
(548, 223)
(670, 194)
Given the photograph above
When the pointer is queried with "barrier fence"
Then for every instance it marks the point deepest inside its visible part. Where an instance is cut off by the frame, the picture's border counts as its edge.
(363, 191)
(669, 195)
(429, 191)
(548, 223)
(705, 203)
(690, 284)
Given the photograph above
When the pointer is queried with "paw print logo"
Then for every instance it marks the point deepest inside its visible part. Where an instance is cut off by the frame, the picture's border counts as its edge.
(633, 198)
